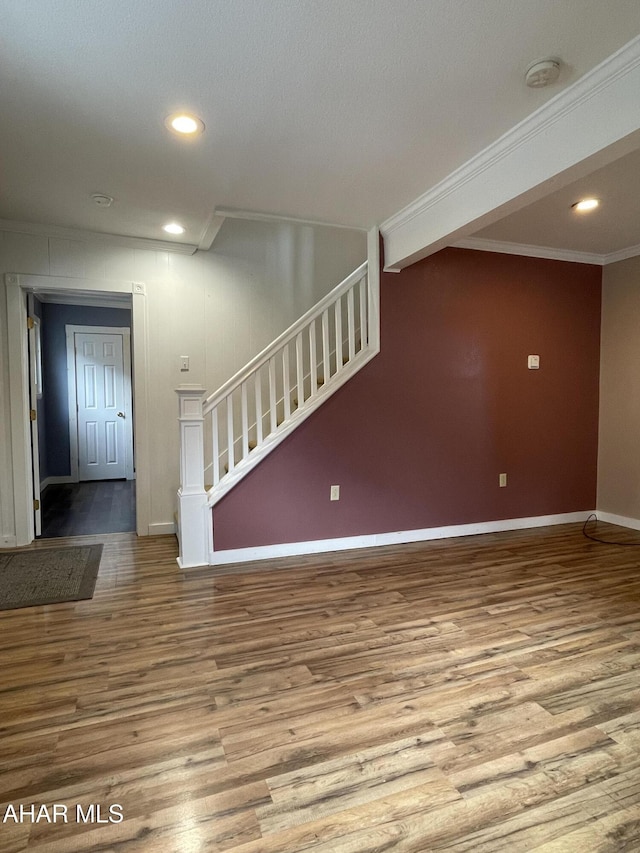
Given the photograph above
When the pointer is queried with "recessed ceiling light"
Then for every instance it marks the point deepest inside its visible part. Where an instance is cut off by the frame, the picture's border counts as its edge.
(173, 228)
(185, 124)
(586, 204)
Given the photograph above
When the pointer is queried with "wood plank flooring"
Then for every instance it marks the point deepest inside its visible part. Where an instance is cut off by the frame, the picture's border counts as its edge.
(479, 694)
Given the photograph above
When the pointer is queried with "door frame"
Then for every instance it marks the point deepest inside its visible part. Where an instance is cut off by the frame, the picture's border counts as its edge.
(70, 331)
(35, 392)
(17, 286)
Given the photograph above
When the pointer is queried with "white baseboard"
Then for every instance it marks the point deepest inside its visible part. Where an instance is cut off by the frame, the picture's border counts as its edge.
(318, 546)
(162, 529)
(54, 481)
(620, 520)
(8, 541)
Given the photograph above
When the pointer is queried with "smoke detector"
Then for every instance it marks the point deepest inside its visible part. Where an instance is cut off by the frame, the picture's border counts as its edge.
(101, 200)
(542, 73)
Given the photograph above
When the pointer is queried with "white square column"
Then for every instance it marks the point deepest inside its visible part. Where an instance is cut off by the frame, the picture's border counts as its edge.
(195, 524)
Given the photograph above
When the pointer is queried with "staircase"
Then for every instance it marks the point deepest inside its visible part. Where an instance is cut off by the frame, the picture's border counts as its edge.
(227, 434)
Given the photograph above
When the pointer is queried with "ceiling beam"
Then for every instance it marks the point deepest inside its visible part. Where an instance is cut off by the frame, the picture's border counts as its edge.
(588, 125)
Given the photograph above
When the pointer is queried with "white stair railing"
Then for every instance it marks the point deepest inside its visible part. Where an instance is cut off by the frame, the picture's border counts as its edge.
(252, 412)
(245, 419)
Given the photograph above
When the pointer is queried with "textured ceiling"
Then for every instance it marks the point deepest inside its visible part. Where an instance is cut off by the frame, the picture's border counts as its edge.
(341, 111)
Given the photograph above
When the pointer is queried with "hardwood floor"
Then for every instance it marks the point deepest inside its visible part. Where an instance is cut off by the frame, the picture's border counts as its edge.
(479, 694)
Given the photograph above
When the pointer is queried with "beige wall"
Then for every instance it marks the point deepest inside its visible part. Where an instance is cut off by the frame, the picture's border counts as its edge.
(219, 307)
(619, 440)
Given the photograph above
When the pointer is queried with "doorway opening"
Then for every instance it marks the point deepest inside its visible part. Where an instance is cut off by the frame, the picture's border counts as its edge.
(76, 291)
(83, 444)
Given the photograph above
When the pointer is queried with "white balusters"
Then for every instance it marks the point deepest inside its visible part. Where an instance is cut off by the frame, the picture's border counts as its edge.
(306, 363)
(215, 440)
(273, 414)
(362, 285)
(230, 435)
(299, 369)
(313, 358)
(244, 418)
(286, 386)
(351, 325)
(337, 308)
(326, 347)
(258, 389)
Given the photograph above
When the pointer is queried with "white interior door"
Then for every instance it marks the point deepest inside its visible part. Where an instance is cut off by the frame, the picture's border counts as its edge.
(105, 436)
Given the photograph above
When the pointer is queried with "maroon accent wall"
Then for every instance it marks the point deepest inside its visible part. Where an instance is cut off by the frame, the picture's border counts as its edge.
(417, 439)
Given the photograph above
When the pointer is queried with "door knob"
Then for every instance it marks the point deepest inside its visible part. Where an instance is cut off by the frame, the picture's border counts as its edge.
(120, 414)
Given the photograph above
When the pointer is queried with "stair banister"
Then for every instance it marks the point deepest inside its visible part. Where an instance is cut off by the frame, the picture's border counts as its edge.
(291, 377)
(271, 396)
(269, 351)
(297, 387)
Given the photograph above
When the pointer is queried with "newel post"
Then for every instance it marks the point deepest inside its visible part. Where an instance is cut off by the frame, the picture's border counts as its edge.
(195, 530)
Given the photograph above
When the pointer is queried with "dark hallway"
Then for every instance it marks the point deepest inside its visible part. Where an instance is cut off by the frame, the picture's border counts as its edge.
(99, 506)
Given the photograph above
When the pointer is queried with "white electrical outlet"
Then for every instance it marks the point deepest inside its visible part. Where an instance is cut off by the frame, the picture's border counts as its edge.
(335, 493)
(502, 480)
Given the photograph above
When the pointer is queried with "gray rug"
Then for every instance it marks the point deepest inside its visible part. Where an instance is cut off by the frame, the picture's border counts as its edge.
(48, 575)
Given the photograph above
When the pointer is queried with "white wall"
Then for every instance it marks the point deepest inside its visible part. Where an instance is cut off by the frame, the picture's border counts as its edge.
(219, 307)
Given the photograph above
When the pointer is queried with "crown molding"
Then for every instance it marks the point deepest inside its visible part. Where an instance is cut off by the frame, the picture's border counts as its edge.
(232, 213)
(528, 251)
(59, 232)
(210, 232)
(622, 255)
(598, 111)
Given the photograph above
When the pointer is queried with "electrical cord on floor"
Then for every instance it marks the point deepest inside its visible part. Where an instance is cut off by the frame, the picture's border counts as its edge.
(605, 541)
